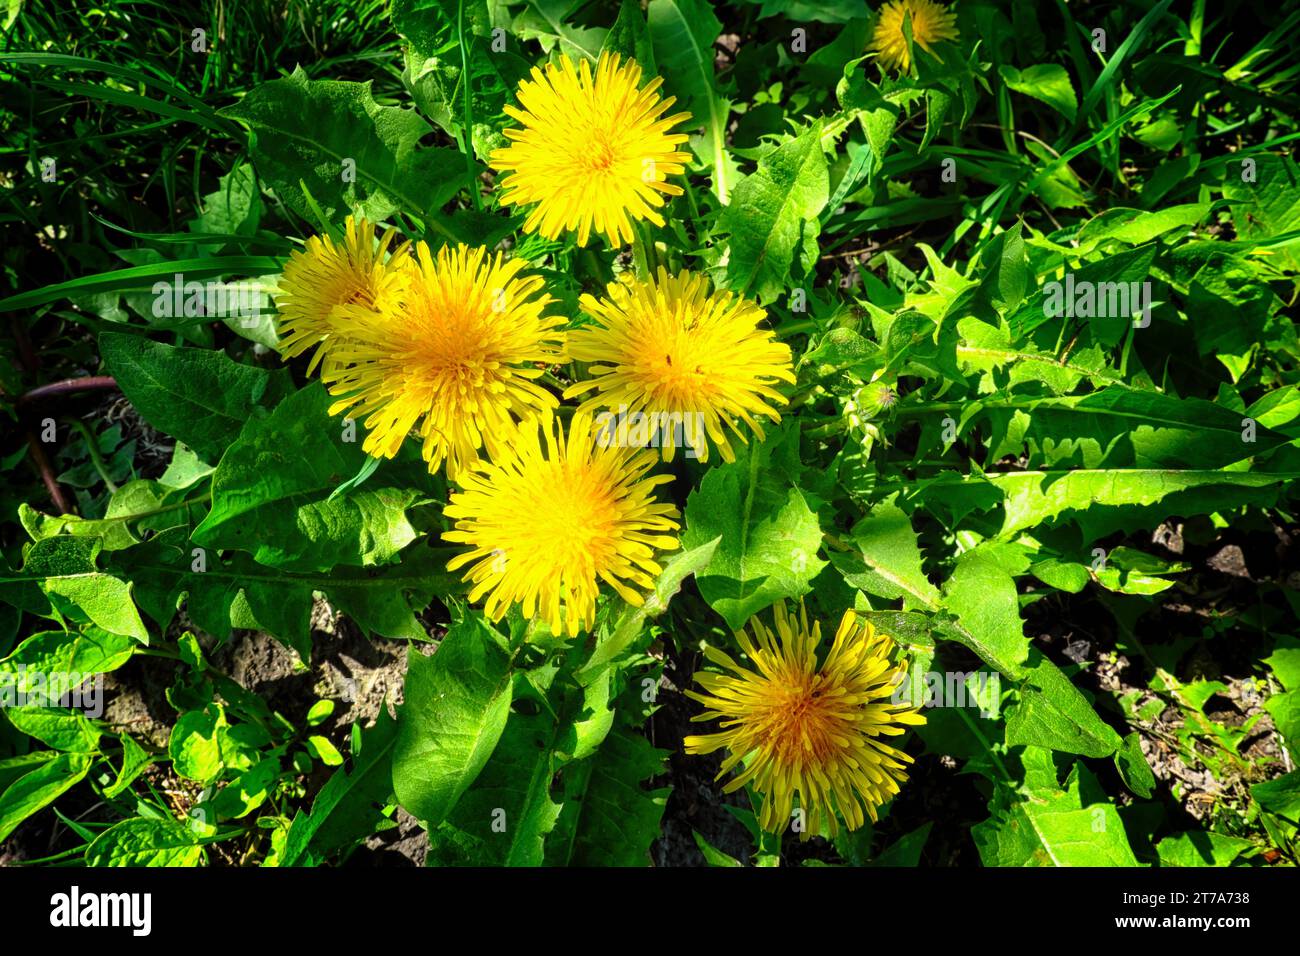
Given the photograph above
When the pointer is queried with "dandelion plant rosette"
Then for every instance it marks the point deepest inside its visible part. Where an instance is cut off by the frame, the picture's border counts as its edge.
(655, 383)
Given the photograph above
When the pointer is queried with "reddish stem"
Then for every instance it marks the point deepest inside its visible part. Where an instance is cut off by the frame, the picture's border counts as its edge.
(67, 387)
(61, 503)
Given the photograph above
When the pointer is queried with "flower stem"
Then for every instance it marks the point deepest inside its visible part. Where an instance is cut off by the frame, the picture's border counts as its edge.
(826, 431)
(467, 121)
(96, 459)
(644, 255)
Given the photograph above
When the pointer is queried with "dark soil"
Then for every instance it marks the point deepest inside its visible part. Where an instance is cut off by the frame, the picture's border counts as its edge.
(357, 673)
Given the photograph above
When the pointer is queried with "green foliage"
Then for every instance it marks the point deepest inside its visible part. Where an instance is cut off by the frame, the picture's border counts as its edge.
(329, 142)
(1047, 824)
(143, 841)
(353, 804)
(772, 219)
(769, 534)
(199, 396)
(1044, 434)
(682, 34)
(272, 494)
(456, 707)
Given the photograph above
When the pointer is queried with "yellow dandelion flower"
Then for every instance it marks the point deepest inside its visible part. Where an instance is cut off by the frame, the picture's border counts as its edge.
(328, 275)
(806, 731)
(551, 517)
(458, 359)
(595, 152)
(668, 347)
(931, 23)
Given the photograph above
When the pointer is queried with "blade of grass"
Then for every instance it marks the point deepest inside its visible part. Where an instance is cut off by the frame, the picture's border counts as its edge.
(137, 277)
